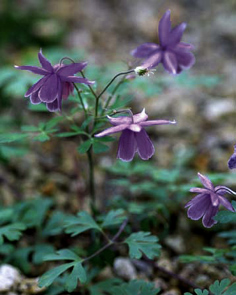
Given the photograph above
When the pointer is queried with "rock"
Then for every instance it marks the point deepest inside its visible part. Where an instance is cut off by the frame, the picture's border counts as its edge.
(172, 292)
(9, 277)
(124, 268)
(160, 283)
(176, 243)
(202, 280)
(215, 109)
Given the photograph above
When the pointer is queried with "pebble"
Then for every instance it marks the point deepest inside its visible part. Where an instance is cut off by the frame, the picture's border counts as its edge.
(124, 268)
(176, 243)
(172, 292)
(9, 277)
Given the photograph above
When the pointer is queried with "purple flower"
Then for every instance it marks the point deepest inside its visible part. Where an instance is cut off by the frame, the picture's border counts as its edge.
(206, 203)
(173, 54)
(57, 82)
(133, 137)
(232, 160)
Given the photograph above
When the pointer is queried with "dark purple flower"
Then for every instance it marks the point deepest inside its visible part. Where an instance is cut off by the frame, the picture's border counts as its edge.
(206, 203)
(173, 54)
(232, 160)
(57, 82)
(133, 137)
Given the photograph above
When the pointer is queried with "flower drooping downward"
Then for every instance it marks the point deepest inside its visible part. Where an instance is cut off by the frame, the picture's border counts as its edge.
(232, 160)
(206, 203)
(133, 137)
(57, 82)
(173, 54)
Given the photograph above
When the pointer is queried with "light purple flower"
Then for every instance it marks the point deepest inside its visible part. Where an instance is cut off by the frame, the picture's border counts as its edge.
(133, 137)
(173, 54)
(206, 204)
(232, 160)
(57, 82)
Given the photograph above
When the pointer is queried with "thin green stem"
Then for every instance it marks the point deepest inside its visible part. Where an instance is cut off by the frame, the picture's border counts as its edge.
(91, 181)
(81, 100)
(91, 89)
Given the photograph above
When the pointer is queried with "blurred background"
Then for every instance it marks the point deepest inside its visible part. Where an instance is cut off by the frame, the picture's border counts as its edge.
(103, 32)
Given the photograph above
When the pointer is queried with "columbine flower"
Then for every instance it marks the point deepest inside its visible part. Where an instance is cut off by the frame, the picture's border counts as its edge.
(57, 82)
(206, 203)
(232, 160)
(173, 54)
(133, 137)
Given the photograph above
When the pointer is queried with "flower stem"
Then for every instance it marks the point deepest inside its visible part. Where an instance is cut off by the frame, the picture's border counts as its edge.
(81, 100)
(91, 182)
(111, 242)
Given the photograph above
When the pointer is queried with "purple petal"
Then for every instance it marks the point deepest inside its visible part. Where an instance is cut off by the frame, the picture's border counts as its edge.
(156, 122)
(44, 62)
(145, 50)
(70, 70)
(197, 209)
(185, 59)
(170, 62)
(153, 60)
(226, 204)
(35, 70)
(221, 190)
(34, 98)
(232, 160)
(197, 199)
(214, 199)
(112, 130)
(198, 190)
(176, 34)
(119, 120)
(67, 89)
(74, 79)
(164, 28)
(140, 117)
(206, 181)
(144, 145)
(208, 220)
(135, 127)
(127, 146)
(49, 91)
(53, 106)
(184, 46)
(36, 86)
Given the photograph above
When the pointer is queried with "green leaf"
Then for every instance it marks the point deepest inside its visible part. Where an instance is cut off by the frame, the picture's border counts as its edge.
(68, 134)
(78, 273)
(218, 287)
(42, 137)
(64, 254)
(83, 221)
(29, 128)
(12, 232)
(226, 217)
(143, 243)
(114, 217)
(6, 215)
(99, 147)
(102, 287)
(40, 251)
(136, 287)
(53, 122)
(10, 137)
(49, 277)
(84, 147)
(231, 290)
(55, 224)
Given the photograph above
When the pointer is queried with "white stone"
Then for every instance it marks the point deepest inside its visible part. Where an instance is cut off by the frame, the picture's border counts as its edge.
(9, 276)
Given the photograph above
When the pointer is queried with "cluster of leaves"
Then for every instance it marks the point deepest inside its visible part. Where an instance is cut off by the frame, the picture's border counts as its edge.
(217, 288)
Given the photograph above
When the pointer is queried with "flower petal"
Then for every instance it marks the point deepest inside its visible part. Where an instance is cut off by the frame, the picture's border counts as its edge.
(226, 203)
(144, 145)
(112, 130)
(53, 106)
(36, 86)
(140, 117)
(185, 59)
(156, 122)
(74, 79)
(206, 181)
(184, 46)
(145, 50)
(70, 70)
(35, 70)
(207, 219)
(214, 199)
(135, 127)
(49, 90)
(127, 146)
(119, 120)
(197, 209)
(67, 89)
(170, 63)
(197, 199)
(164, 28)
(232, 160)
(34, 98)
(198, 190)
(153, 60)
(176, 34)
(44, 62)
